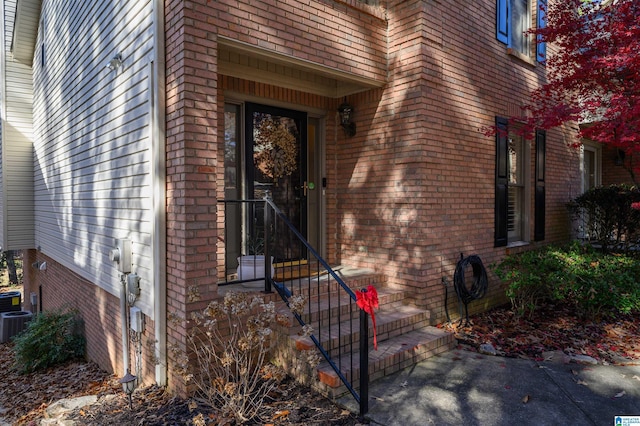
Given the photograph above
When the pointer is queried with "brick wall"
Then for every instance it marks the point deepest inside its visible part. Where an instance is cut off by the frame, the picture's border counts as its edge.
(612, 171)
(417, 181)
(413, 189)
(191, 139)
(61, 289)
(343, 35)
(336, 34)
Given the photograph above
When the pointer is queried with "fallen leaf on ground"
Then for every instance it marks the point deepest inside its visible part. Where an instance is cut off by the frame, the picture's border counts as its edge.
(281, 414)
(559, 327)
(526, 399)
(28, 395)
(620, 394)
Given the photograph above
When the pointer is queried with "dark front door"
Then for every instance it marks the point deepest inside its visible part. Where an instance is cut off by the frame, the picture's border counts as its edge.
(276, 161)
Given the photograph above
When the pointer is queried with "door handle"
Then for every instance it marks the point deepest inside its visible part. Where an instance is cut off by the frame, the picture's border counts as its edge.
(307, 186)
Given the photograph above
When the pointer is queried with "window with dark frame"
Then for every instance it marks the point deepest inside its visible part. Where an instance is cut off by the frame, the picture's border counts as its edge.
(513, 20)
(511, 182)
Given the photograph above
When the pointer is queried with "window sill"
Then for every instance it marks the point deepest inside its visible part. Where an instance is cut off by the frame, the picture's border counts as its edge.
(521, 57)
(517, 244)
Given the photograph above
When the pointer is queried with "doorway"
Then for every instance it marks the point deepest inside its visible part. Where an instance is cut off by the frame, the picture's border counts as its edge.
(278, 150)
(275, 161)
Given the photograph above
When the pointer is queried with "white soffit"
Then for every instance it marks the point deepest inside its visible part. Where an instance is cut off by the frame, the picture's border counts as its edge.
(237, 59)
(25, 30)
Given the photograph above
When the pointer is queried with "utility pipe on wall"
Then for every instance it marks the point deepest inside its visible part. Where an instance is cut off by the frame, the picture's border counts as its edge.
(159, 196)
(124, 322)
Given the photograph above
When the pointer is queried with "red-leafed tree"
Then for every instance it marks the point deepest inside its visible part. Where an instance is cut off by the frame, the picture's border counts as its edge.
(593, 73)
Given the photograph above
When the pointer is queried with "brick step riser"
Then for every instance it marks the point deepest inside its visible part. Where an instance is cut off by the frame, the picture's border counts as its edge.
(378, 369)
(402, 360)
(298, 368)
(343, 311)
(337, 345)
(325, 282)
(314, 293)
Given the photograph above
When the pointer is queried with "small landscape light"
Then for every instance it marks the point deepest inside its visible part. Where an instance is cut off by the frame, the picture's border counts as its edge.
(128, 386)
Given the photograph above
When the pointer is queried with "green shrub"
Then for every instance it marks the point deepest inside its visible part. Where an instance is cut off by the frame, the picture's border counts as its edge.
(599, 284)
(606, 217)
(50, 338)
(532, 277)
(602, 284)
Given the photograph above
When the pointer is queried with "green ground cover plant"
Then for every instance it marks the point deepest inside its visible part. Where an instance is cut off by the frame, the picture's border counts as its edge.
(599, 284)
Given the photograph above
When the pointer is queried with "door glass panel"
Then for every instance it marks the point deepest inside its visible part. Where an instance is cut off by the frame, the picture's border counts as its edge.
(232, 187)
(589, 178)
(515, 208)
(314, 184)
(276, 162)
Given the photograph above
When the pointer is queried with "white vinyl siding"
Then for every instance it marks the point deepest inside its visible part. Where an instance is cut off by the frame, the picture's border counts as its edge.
(93, 145)
(17, 148)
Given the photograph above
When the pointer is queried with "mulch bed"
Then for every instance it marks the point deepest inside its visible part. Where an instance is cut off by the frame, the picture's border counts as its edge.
(610, 340)
(24, 398)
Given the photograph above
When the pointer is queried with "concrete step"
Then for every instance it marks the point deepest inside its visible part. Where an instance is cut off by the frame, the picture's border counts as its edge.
(320, 282)
(403, 332)
(390, 322)
(392, 355)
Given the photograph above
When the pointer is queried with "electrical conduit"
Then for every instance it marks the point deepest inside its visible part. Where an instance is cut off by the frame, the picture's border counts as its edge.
(159, 197)
(124, 323)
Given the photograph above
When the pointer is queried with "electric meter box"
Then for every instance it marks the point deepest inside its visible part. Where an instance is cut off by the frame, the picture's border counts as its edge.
(121, 254)
(135, 319)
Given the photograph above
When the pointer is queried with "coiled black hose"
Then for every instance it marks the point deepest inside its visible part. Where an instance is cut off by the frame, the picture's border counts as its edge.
(480, 282)
(478, 289)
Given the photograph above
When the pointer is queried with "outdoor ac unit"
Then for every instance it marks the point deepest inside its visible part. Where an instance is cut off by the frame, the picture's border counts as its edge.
(10, 301)
(12, 323)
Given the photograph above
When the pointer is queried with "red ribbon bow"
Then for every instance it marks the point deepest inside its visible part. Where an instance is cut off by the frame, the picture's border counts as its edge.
(367, 300)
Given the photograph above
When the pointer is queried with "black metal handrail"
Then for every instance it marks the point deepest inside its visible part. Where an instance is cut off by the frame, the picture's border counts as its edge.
(302, 270)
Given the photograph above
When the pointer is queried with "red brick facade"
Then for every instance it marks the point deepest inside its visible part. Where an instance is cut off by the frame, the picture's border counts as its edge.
(615, 167)
(415, 187)
(409, 193)
(57, 287)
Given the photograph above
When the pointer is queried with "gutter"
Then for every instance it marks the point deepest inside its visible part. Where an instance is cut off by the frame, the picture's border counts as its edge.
(159, 196)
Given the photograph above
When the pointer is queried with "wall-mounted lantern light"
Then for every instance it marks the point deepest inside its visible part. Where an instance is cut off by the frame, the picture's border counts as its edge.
(115, 62)
(42, 266)
(346, 111)
(619, 160)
